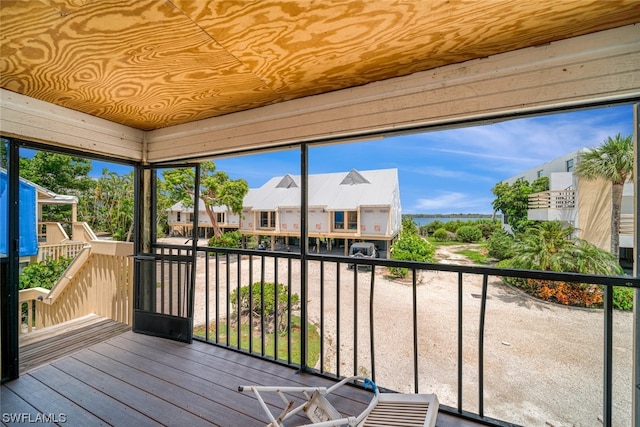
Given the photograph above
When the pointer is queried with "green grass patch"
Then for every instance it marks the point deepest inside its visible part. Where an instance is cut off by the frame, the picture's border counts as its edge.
(313, 340)
(476, 257)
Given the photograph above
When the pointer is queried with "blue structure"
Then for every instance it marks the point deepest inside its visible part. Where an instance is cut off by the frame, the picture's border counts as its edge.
(28, 217)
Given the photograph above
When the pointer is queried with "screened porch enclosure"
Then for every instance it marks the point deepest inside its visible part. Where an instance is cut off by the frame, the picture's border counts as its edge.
(172, 83)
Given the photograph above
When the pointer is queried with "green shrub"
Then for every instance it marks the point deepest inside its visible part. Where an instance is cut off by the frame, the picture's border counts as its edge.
(441, 235)
(434, 225)
(500, 245)
(488, 227)
(230, 239)
(623, 298)
(43, 274)
(269, 309)
(468, 234)
(453, 226)
(410, 247)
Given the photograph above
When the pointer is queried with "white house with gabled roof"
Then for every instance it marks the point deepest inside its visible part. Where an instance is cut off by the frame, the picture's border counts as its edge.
(343, 207)
(180, 220)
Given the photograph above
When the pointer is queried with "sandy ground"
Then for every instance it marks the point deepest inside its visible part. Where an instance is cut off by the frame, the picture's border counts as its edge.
(543, 363)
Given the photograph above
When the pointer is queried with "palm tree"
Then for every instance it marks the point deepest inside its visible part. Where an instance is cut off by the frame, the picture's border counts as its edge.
(613, 162)
(550, 246)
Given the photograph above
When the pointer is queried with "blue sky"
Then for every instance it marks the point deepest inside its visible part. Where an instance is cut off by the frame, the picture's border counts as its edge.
(449, 171)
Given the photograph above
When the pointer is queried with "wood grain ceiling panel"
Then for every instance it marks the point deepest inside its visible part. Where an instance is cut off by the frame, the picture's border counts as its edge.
(140, 63)
(151, 64)
(303, 48)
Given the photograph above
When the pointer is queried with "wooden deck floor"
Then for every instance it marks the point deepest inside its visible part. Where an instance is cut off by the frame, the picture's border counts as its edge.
(51, 343)
(139, 380)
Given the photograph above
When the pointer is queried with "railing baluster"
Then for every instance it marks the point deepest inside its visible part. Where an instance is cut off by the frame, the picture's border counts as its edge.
(322, 350)
(355, 319)
(238, 286)
(608, 355)
(228, 302)
(338, 319)
(289, 282)
(371, 324)
(275, 308)
(483, 308)
(217, 256)
(415, 330)
(460, 359)
(262, 267)
(206, 296)
(250, 304)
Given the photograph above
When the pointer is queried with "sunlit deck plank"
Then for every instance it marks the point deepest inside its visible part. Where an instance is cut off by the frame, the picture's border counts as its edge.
(140, 380)
(57, 341)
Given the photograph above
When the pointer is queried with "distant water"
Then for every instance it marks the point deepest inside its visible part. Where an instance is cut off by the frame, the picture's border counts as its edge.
(424, 221)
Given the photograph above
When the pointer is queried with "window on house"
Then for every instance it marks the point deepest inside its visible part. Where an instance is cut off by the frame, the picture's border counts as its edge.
(352, 220)
(345, 220)
(570, 165)
(540, 173)
(220, 217)
(267, 219)
(177, 216)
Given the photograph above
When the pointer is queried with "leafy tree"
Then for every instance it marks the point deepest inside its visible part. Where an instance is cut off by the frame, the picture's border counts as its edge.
(109, 205)
(513, 200)
(613, 162)
(216, 189)
(59, 173)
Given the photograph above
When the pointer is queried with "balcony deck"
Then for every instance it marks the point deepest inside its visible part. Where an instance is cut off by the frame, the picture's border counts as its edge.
(134, 379)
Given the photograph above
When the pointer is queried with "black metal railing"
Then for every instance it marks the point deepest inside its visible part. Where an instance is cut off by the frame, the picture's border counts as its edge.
(362, 325)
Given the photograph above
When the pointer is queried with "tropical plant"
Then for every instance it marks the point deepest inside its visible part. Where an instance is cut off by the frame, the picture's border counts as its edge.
(550, 246)
(623, 298)
(216, 189)
(108, 206)
(613, 162)
(500, 245)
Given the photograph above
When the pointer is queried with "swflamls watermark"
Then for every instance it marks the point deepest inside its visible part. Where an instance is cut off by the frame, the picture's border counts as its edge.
(30, 418)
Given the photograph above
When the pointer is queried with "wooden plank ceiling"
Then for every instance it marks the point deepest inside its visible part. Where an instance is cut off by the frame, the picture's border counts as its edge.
(151, 64)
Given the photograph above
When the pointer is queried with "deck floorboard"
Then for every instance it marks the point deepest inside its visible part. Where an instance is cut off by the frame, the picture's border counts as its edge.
(139, 380)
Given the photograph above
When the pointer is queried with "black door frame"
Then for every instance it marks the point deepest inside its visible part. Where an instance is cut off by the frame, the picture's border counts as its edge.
(146, 319)
(9, 270)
